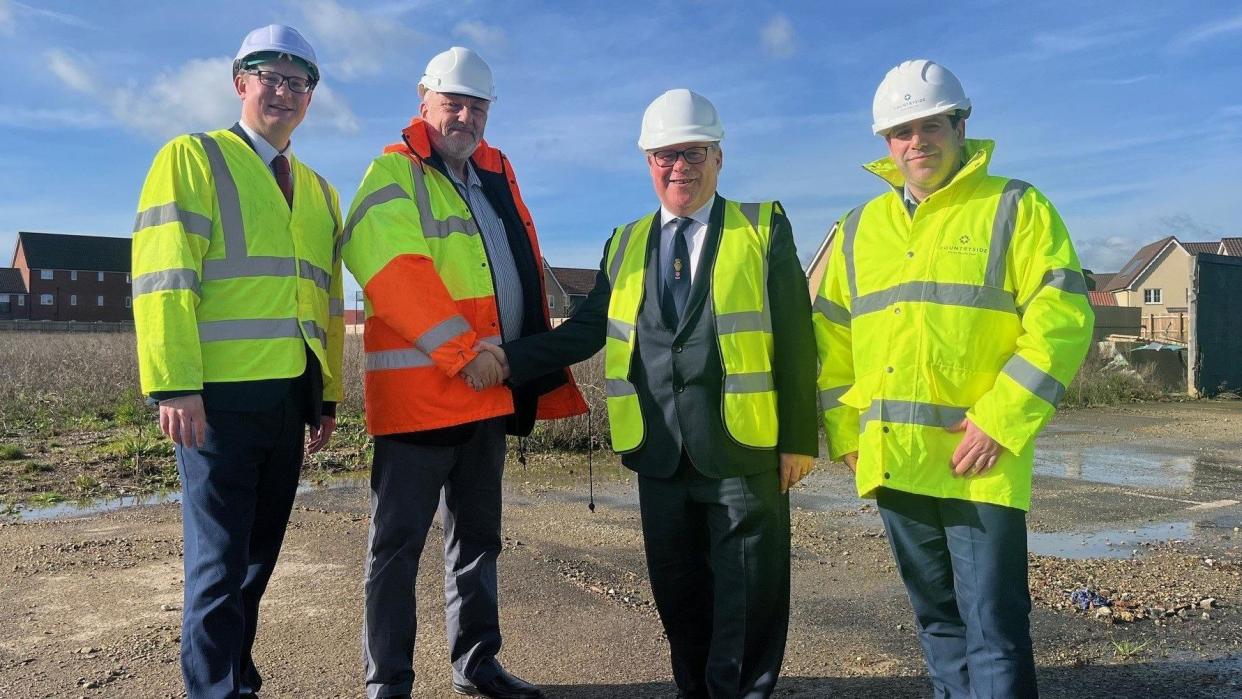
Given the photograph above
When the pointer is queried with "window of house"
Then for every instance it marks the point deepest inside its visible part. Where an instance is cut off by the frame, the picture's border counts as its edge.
(99, 276)
(73, 299)
(98, 300)
(127, 277)
(128, 301)
(73, 275)
(1152, 296)
(45, 274)
(21, 299)
(551, 302)
(46, 299)
(6, 306)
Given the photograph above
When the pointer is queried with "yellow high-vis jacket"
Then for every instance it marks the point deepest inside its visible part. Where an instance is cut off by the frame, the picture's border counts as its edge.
(973, 307)
(229, 284)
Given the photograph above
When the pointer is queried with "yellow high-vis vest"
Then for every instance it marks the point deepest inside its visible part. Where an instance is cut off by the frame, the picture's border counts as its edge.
(229, 284)
(975, 307)
(742, 315)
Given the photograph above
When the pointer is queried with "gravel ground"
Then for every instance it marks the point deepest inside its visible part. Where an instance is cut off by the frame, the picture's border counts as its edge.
(90, 606)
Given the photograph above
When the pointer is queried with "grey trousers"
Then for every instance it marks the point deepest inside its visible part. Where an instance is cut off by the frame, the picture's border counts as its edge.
(408, 483)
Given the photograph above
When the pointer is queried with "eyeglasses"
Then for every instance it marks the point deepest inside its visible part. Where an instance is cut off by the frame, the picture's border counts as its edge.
(296, 83)
(692, 156)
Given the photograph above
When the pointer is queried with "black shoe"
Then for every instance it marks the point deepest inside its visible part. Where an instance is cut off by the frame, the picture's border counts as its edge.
(502, 686)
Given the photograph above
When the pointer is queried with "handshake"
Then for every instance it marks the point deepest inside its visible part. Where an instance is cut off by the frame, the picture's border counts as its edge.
(487, 369)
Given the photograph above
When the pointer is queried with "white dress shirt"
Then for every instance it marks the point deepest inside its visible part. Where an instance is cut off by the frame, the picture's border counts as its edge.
(695, 235)
(267, 151)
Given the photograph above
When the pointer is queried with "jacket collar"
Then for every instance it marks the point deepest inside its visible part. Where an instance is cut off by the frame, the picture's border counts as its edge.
(416, 143)
(978, 153)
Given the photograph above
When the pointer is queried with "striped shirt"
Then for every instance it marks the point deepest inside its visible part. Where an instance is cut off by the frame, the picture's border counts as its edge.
(504, 270)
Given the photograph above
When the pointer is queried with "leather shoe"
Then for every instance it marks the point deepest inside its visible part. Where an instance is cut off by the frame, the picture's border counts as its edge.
(502, 686)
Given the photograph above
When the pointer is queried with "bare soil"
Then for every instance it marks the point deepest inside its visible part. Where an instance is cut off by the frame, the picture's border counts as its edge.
(90, 606)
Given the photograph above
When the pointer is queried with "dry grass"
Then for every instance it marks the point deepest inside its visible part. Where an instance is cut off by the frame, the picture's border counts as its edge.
(1096, 386)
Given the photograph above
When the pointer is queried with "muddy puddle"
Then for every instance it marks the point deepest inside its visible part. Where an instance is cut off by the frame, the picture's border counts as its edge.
(96, 506)
(1143, 468)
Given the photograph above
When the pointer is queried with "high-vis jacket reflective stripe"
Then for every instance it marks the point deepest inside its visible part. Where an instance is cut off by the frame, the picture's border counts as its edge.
(416, 250)
(229, 284)
(742, 317)
(975, 308)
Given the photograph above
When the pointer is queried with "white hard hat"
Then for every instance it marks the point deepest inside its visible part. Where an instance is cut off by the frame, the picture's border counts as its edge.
(461, 72)
(916, 89)
(277, 39)
(679, 116)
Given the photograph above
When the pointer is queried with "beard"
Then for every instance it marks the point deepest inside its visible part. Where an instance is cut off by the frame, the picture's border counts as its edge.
(457, 145)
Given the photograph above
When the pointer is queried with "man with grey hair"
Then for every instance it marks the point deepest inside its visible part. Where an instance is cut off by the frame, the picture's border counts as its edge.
(446, 253)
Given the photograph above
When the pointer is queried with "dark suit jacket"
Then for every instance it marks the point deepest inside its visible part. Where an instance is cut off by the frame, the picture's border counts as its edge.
(678, 372)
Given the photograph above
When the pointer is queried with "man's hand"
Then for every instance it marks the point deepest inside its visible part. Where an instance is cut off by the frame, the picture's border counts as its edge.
(183, 420)
(793, 468)
(497, 352)
(851, 460)
(320, 435)
(483, 371)
(976, 454)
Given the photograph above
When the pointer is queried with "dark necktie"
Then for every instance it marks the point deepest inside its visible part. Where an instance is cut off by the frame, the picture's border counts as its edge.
(677, 275)
(284, 180)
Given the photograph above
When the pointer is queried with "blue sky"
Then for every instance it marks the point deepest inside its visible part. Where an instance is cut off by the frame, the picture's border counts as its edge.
(1127, 115)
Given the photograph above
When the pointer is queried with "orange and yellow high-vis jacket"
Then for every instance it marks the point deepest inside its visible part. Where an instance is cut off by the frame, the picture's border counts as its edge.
(412, 243)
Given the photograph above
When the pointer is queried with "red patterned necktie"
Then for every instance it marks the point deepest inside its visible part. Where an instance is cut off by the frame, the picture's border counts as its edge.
(284, 179)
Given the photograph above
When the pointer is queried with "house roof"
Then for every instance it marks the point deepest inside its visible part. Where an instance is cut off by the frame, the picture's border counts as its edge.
(1102, 298)
(574, 280)
(1209, 247)
(11, 281)
(1137, 264)
(1233, 246)
(1100, 279)
(85, 252)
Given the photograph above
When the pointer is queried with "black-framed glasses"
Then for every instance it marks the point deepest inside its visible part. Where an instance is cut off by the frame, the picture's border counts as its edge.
(693, 155)
(296, 83)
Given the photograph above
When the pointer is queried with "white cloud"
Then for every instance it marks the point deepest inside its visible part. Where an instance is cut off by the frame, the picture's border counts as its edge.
(1106, 254)
(6, 17)
(51, 119)
(1206, 32)
(485, 37)
(777, 37)
(357, 44)
(70, 71)
(196, 96)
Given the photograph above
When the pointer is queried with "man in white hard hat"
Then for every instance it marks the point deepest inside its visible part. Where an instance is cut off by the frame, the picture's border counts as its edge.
(952, 315)
(446, 253)
(702, 309)
(240, 324)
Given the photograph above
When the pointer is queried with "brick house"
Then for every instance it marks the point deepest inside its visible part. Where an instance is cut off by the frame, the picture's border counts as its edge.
(73, 277)
(14, 301)
(567, 288)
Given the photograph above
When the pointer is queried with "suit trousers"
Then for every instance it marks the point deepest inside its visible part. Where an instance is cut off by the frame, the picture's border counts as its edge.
(964, 566)
(718, 557)
(237, 493)
(409, 482)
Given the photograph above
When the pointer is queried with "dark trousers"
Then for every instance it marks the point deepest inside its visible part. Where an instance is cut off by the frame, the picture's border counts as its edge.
(237, 494)
(409, 482)
(718, 557)
(964, 566)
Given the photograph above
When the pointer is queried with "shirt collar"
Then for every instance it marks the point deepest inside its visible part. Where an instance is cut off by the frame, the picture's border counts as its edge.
(265, 150)
(701, 216)
(472, 177)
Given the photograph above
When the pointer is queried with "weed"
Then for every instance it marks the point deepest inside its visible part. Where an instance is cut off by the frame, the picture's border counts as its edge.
(10, 452)
(39, 467)
(1124, 650)
(47, 497)
(86, 483)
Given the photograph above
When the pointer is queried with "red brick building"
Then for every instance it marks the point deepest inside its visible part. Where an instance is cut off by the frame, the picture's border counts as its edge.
(14, 303)
(69, 277)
